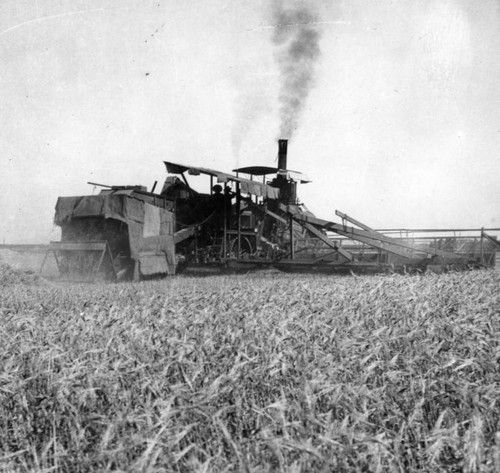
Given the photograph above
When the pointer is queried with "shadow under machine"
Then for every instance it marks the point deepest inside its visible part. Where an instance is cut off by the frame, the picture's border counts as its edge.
(248, 219)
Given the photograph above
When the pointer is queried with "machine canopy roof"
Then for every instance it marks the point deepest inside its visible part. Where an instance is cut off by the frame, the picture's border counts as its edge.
(246, 185)
(257, 170)
(265, 170)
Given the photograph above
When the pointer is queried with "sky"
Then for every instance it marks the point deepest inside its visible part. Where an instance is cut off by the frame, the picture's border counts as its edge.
(398, 123)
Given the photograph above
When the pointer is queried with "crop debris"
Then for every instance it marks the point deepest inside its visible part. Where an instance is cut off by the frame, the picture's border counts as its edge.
(11, 276)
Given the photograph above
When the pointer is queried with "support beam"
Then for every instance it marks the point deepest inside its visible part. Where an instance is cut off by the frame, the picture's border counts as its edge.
(183, 234)
(491, 239)
(353, 221)
(325, 256)
(309, 227)
(326, 240)
(373, 238)
(238, 213)
(266, 211)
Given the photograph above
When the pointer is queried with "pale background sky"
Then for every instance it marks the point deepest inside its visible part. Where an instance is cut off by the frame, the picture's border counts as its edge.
(401, 128)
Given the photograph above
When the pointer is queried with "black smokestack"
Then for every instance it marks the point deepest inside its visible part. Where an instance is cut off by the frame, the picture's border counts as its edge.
(282, 153)
(296, 37)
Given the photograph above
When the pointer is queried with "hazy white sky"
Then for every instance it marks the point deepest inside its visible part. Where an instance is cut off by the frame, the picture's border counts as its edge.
(401, 128)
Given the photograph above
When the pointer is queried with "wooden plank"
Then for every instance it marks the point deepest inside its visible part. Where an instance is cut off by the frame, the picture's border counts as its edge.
(101, 259)
(311, 263)
(44, 260)
(325, 239)
(78, 245)
(328, 264)
(355, 234)
(491, 239)
(395, 250)
(373, 238)
(309, 227)
(353, 221)
(326, 255)
(183, 234)
(379, 240)
(264, 210)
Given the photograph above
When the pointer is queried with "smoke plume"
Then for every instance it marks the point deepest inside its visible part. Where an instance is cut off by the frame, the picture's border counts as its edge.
(248, 107)
(296, 37)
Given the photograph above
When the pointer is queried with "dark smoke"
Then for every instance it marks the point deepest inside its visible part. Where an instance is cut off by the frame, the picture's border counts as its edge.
(296, 37)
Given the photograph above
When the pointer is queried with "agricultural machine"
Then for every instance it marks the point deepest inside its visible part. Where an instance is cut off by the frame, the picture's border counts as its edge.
(248, 219)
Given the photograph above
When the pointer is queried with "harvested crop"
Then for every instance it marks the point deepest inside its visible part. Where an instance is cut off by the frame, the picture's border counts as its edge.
(10, 276)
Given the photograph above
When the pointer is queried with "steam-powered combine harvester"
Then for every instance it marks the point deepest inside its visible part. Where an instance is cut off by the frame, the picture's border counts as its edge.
(257, 221)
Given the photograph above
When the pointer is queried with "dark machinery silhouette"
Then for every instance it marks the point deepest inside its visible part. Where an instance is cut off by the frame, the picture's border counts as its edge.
(255, 221)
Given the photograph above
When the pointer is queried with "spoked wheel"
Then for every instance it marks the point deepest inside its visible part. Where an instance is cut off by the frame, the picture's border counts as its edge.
(246, 248)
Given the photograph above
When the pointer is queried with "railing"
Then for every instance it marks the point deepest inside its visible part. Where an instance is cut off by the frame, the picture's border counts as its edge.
(479, 248)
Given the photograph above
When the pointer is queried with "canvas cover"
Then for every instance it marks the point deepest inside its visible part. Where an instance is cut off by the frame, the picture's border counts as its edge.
(150, 228)
(247, 186)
